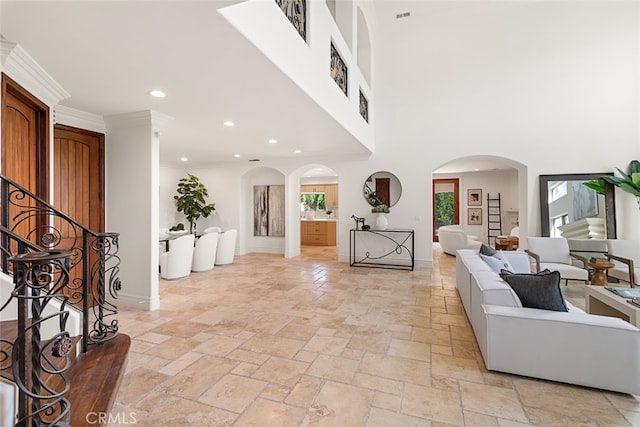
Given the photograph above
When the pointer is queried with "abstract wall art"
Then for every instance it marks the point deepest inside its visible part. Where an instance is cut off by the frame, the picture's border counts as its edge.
(268, 210)
(585, 201)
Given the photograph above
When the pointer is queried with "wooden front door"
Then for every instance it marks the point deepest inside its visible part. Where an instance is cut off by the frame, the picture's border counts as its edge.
(25, 133)
(78, 158)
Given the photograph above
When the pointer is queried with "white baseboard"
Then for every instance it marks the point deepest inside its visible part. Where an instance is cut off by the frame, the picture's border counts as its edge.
(136, 301)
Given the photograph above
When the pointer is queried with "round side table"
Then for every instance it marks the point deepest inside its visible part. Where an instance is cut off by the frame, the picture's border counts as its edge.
(599, 267)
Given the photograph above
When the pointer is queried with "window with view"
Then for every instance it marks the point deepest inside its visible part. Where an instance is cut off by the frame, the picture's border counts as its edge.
(557, 191)
(312, 202)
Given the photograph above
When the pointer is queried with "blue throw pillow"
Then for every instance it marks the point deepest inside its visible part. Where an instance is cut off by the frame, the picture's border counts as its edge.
(540, 290)
(487, 250)
(497, 262)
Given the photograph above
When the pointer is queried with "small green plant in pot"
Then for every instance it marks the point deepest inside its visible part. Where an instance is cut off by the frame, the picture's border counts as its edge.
(380, 209)
(191, 200)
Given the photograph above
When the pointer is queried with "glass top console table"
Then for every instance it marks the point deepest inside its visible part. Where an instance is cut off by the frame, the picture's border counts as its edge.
(390, 248)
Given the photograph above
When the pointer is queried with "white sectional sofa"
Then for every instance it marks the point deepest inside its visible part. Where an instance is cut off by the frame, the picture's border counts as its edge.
(571, 347)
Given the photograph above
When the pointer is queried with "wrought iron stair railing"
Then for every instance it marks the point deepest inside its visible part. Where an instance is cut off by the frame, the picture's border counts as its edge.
(28, 223)
(51, 257)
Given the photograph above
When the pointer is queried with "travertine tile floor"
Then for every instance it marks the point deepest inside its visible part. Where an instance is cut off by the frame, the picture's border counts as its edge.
(309, 341)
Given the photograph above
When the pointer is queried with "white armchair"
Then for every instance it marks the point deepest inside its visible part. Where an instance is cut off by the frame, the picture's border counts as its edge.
(204, 253)
(226, 247)
(553, 253)
(453, 237)
(176, 262)
(625, 255)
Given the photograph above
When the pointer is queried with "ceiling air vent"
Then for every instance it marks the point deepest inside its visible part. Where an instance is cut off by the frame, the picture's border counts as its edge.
(403, 15)
(254, 160)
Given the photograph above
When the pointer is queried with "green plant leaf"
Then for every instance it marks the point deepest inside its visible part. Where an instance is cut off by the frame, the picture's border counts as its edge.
(597, 185)
(630, 182)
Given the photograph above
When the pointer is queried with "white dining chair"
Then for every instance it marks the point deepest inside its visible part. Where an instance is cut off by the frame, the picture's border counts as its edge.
(213, 230)
(226, 247)
(176, 262)
(204, 253)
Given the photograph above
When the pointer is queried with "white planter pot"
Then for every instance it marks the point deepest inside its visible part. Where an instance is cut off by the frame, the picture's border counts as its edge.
(381, 221)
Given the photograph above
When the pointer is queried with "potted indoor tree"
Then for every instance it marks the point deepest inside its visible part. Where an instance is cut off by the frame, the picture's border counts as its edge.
(191, 200)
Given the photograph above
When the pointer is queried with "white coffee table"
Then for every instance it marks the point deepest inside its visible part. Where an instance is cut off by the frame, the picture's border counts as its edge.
(599, 300)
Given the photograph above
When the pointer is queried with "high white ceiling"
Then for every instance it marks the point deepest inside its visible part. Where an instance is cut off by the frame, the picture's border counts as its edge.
(109, 55)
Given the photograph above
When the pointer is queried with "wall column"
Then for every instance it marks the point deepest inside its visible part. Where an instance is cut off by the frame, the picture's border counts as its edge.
(132, 187)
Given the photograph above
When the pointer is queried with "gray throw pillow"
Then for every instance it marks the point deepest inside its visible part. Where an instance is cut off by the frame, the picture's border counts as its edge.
(540, 290)
(487, 250)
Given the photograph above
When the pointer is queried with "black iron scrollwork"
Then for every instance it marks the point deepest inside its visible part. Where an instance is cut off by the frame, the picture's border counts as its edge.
(94, 263)
(38, 355)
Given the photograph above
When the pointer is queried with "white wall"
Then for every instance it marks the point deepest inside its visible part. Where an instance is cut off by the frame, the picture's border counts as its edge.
(537, 82)
(168, 215)
(132, 175)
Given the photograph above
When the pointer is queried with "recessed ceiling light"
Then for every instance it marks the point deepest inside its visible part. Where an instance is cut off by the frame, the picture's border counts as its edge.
(184, 159)
(297, 151)
(236, 155)
(157, 93)
(476, 169)
(273, 141)
(228, 123)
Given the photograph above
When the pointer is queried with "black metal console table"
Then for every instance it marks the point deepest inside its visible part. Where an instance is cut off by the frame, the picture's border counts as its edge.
(400, 240)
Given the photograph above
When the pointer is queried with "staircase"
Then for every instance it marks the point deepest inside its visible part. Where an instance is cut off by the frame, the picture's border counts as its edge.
(61, 355)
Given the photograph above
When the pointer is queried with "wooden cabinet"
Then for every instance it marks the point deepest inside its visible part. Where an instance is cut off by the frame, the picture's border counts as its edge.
(330, 192)
(318, 233)
(331, 195)
(316, 188)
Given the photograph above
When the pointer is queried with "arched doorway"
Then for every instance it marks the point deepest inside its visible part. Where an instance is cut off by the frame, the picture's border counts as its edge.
(318, 207)
(484, 178)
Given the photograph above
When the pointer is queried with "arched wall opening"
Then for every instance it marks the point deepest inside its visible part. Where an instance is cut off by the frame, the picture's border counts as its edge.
(342, 12)
(250, 238)
(488, 176)
(309, 174)
(364, 47)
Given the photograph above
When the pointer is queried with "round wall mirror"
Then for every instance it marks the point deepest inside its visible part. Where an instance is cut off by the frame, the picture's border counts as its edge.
(382, 188)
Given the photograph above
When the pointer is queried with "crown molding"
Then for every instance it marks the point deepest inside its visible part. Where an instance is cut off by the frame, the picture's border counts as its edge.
(150, 118)
(159, 119)
(22, 68)
(79, 119)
